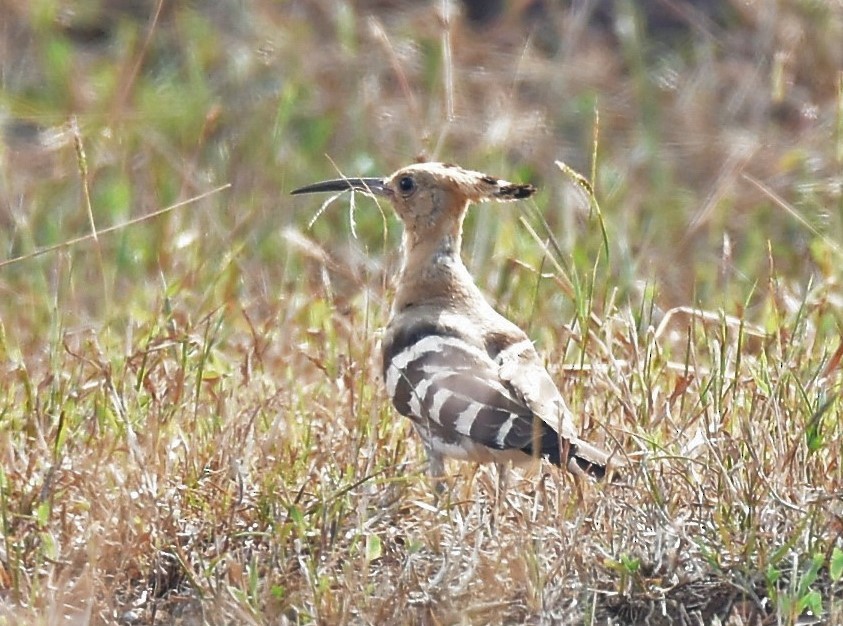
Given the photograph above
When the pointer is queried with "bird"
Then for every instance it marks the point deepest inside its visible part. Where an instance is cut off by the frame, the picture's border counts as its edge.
(470, 380)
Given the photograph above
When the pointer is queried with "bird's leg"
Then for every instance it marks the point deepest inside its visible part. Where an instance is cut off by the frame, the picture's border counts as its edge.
(502, 470)
(435, 470)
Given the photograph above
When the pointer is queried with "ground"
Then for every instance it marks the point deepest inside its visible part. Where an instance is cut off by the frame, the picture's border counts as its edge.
(192, 425)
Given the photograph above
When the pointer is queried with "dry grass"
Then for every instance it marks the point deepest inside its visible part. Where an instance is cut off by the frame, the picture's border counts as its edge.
(192, 428)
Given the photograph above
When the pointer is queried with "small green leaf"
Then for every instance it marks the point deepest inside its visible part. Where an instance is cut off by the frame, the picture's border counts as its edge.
(835, 565)
(295, 514)
(414, 546)
(42, 513)
(374, 549)
(814, 438)
(810, 576)
(49, 547)
(630, 564)
(812, 602)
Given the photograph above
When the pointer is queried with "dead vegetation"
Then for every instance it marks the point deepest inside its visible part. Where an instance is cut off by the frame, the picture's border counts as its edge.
(192, 429)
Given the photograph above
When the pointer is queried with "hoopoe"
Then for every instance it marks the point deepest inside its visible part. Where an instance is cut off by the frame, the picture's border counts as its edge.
(470, 380)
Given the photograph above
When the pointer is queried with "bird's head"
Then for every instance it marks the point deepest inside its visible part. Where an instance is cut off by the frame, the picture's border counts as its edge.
(427, 196)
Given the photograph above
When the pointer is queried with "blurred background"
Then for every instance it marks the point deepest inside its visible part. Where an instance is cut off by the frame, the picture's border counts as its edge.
(710, 117)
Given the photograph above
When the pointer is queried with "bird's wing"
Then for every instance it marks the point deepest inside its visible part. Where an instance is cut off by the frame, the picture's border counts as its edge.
(522, 370)
(520, 367)
(449, 383)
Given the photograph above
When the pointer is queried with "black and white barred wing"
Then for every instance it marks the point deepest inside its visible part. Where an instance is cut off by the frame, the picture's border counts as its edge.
(522, 369)
(452, 389)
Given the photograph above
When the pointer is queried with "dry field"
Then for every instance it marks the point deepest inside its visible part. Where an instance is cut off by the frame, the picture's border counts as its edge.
(192, 425)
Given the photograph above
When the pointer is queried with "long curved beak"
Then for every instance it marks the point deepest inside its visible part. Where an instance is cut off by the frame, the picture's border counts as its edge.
(373, 186)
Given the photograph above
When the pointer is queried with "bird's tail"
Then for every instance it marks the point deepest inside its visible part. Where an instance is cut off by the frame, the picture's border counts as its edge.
(585, 459)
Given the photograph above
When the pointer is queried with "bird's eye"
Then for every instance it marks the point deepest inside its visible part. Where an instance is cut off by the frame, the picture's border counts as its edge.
(407, 185)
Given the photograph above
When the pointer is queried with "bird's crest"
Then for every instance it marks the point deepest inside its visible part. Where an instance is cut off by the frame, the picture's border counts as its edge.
(475, 186)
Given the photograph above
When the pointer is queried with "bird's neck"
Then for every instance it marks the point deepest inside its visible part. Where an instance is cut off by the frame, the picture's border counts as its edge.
(433, 273)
